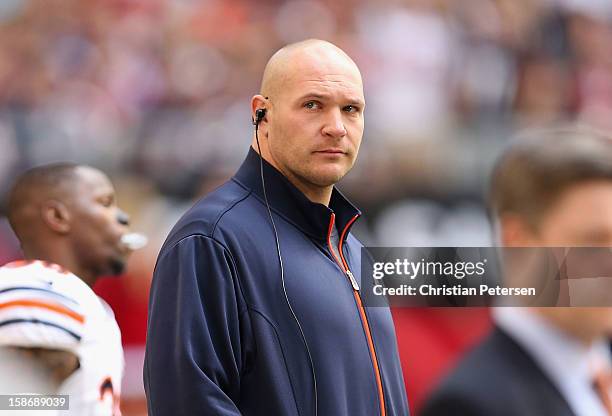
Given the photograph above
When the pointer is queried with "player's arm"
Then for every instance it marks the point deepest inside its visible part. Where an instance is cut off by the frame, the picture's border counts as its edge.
(42, 326)
(57, 365)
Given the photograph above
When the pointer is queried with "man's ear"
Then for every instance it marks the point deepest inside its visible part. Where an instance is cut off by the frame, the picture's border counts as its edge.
(258, 102)
(515, 231)
(56, 216)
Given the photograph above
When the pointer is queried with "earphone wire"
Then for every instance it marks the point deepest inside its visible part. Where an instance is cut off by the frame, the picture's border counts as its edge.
(282, 270)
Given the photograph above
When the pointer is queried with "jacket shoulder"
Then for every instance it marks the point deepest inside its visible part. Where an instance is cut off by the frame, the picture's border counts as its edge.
(205, 216)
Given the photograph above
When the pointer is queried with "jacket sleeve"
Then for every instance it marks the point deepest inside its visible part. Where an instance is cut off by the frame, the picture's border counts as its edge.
(195, 343)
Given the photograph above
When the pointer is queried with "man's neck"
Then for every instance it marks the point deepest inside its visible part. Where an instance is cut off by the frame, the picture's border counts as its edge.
(579, 333)
(64, 260)
(317, 194)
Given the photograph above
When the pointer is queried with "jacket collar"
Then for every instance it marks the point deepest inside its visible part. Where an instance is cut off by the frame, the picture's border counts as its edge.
(285, 199)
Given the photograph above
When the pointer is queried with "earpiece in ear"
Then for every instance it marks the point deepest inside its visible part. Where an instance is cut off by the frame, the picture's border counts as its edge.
(260, 113)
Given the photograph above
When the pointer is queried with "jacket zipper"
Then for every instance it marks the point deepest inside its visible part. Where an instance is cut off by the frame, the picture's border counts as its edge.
(364, 319)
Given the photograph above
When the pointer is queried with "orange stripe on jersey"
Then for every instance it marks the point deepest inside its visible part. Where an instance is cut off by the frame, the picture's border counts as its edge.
(18, 263)
(44, 305)
(53, 266)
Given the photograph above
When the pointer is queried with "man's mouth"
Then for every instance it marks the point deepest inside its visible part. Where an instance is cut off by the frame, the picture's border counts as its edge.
(331, 151)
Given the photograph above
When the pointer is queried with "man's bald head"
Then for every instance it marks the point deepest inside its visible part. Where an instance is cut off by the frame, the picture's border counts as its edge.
(301, 57)
(32, 189)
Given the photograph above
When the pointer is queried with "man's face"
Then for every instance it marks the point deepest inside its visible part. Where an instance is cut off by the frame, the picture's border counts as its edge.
(97, 224)
(316, 123)
(582, 216)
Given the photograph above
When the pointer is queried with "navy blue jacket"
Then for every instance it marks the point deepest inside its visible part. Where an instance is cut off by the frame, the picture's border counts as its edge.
(221, 337)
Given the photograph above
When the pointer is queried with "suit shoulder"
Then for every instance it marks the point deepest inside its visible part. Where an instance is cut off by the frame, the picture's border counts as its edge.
(493, 377)
(497, 354)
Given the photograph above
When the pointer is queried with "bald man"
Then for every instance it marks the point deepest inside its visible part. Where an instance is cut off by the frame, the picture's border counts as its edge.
(255, 305)
(61, 337)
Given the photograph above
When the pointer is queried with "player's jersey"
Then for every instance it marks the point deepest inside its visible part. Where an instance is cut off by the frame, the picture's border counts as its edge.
(43, 305)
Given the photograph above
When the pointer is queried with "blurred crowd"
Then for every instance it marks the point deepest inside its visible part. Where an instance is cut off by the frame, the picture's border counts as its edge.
(156, 93)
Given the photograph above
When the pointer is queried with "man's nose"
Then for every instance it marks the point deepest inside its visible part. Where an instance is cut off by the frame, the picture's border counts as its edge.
(334, 126)
(123, 218)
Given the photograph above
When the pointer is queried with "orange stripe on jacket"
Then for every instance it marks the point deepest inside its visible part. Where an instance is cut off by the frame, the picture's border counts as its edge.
(44, 305)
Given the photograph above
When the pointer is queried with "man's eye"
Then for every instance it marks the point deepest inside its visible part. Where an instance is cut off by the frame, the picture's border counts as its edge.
(311, 105)
(351, 109)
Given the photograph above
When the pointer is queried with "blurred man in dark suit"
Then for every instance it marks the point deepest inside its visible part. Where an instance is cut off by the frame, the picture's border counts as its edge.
(552, 189)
